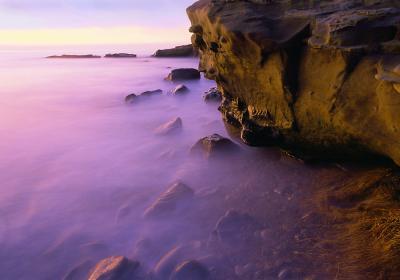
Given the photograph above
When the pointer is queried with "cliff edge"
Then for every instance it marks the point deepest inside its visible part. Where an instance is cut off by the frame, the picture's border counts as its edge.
(319, 77)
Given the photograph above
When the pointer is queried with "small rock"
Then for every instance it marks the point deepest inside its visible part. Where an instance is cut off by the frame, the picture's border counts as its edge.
(115, 268)
(131, 98)
(184, 74)
(179, 51)
(174, 257)
(213, 145)
(170, 127)
(135, 97)
(168, 202)
(192, 270)
(180, 89)
(236, 227)
(151, 92)
(212, 95)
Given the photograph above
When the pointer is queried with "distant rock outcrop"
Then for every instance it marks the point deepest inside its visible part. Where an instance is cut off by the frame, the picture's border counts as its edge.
(179, 51)
(318, 77)
(73, 56)
(120, 55)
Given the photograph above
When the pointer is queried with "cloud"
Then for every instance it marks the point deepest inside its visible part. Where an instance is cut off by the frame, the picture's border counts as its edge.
(92, 13)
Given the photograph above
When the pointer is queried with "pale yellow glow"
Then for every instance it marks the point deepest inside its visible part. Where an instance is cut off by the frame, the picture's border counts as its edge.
(113, 35)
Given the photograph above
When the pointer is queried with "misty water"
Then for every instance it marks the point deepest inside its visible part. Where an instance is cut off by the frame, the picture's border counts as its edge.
(78, 167)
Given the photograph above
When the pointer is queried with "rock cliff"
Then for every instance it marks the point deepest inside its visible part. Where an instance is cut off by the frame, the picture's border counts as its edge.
(320, 77)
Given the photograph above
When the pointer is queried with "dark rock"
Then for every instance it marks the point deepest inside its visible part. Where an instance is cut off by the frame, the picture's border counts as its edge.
(170, 127)
(136, 97)
(73, 56)
(174, 257)
(214, 145)
(80, 272)
(179, 51)
(319, 77)
(180, 89)
(183, 74)
(212, 95)
(116, 268)
(192, 270)
(235, 227)
(120, 55)
(177, 196)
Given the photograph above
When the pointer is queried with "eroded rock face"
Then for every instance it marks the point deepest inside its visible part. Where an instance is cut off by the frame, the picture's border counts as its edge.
(321, 77)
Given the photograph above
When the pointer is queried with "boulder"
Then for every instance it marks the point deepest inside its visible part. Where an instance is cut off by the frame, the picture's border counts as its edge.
(133, 97)
(173, 126)
(180, 89)
(313, 76)
(192, 270)
(175, 198)
(183, 74)
(179, 51)
(120, 55)
(115, 268)
(214, 145)
(212, 95)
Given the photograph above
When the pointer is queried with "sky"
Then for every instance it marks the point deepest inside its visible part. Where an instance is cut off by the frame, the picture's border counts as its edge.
(64, 22)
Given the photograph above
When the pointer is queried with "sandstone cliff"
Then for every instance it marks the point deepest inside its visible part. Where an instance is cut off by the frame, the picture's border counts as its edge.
(321, 77)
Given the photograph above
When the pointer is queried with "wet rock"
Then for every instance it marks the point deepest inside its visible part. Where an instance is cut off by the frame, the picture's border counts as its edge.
(212, 95)
(306, 75)
(179, 51)
(116, 268)
(170, 127)
(192, 270)
(167, 264)
(180, 89)
(79, 272)
(175, 198)
(184, 74)
(235, 227)
(120, 55)
(214, 145)
(131, 98)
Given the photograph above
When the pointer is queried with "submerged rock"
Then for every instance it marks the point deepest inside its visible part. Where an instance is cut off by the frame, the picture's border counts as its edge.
(212, 95)
(180, 89)
(79, 272)
(116, 268)
(133, 97)
(171, 260)
(183, 74)
(170, 127)
(192, 270)
(315, 76)
(179, 51)
(235, 227)
(120, 55)
(214, 145)
(177, 196)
